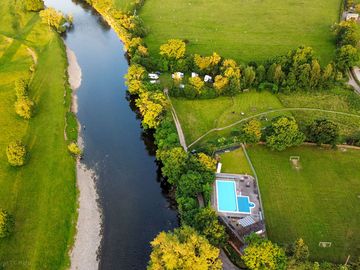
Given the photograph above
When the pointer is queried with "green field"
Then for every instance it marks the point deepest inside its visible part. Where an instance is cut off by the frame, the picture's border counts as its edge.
(318, 202)
(42, 194)
(243, 30)
(235, 162)
(199, 116)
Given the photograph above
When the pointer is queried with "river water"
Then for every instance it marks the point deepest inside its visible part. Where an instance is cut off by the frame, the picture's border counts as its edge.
(134, 202)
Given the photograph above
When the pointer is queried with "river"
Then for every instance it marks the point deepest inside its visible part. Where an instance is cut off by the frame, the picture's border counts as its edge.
(134, 203)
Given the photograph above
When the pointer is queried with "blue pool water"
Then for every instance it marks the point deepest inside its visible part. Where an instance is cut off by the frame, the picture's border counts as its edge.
(244, 205)
(226, 196)
(228, 201)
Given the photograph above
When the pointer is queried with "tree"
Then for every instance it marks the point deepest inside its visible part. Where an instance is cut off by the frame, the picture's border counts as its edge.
(24, 107)
(249, 76)
(134, 77)
(346, 56)
(197, 83)
(16, 153)
(264, 256)
(54, 19)
(260, 74)
(283, 133)
(183, 249)
(74, 149)
(207, 63)
(21, 88)
(328, 75)
(323, 131)
(34, 5)
(315, 74)
(301, 252)
(174, 163)
(221, 82)
(270, 75)
(6, 223)
(207, 161)
(252, 131)
(152, 107)
(174, 49)
(278, 75)
(206, 223)
(190, 184)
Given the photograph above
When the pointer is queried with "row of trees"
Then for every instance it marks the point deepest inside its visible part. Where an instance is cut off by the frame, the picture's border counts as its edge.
(284, 132)
(55, 19)
(299, 69)
(263, 254)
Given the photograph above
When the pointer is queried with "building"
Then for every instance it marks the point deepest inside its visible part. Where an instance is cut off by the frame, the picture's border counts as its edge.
(352, 16)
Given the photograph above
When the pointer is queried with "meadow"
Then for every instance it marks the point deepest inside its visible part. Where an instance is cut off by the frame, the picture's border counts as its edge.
(41, 195)
(318, 202)
(243, 30)
(199, 116)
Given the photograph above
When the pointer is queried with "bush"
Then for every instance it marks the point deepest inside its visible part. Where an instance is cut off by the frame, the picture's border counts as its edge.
(21, 88)
(6, 224)
(16, 153)
(74, 149)
(24, 107)
(34, 5)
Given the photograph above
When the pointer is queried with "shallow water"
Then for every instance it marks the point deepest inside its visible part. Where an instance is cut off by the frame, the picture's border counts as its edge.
(134, 203)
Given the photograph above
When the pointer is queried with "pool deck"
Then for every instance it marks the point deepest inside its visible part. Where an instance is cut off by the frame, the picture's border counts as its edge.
(246, 185)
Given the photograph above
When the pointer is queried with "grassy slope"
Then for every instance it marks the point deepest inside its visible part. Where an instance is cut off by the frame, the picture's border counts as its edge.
(199, 116)
(243, 30)
(319, 203)
(235, 162)
(336, 99)
(42, 194)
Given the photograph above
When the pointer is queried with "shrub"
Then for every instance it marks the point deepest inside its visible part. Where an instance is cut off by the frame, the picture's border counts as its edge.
(21, 88)
(6, 223)
(24, 107)
(34, 5)
(74, 149)
(16, 153)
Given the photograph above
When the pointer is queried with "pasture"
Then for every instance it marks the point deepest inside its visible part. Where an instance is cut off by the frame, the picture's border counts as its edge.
(318, 202)
(42, 194)
(199, 116)
(243, 30)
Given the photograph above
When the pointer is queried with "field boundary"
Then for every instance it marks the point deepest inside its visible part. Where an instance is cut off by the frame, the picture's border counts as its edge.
(268, 112)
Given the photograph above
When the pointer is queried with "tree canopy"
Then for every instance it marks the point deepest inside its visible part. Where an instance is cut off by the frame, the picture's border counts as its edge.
(323, 131)
(264, 255)
(174, 49)
(283, 133)
(183, 249)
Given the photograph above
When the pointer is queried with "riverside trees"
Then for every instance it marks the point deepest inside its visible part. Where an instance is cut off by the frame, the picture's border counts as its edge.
(183, 249)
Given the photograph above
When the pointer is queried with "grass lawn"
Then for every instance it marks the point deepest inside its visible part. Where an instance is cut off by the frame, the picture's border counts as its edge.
(42, 194)
(334, 99)
(199, 116)
(235, 162)
(123, 5)
(319, 202)
(243, 30)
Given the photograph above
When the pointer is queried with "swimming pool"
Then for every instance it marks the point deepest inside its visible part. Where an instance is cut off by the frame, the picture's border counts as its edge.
(226, 196)
(229, 202)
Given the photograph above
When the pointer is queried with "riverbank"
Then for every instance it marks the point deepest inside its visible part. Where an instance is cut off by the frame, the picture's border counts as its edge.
(84, 254)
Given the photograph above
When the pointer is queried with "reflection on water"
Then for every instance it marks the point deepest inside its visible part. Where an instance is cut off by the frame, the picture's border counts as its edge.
(133, 195)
